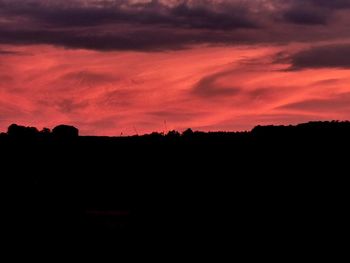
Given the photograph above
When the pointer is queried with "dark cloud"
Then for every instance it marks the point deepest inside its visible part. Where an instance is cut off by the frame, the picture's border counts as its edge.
(120, 25)
(70, 105)
(8, 52)
(4, 52)
(231, 17)
(208, 15)
(208, 87)
(310, 12)
(329, 56)
(119, 98)
(88, 77)
(306, 16)
(339, 102)
(136, 39)
(327, 82)
(65, 105)
(5, 78)
(263, 94)
(177, 115)
(160, 24)
(333, 4)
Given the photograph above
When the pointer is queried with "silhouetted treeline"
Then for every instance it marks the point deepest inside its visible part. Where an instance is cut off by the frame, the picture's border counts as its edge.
(324, 127)
(271, 187)
(23, 132)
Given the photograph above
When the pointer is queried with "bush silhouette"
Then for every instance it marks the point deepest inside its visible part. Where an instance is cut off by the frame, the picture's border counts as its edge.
(18, 131)
(65, 131)
(188, 132)
(45, 131)
(173, 134)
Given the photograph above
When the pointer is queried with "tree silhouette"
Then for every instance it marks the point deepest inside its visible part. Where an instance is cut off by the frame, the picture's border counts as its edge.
(188, 132)
(45, 131)
(173, 134)
(18, 131)
(65, 131)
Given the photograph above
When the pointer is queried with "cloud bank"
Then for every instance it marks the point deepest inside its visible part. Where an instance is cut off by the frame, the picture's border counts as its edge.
(174, 24)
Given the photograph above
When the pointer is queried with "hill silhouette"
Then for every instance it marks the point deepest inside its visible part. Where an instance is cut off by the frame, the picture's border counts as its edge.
(270, 187)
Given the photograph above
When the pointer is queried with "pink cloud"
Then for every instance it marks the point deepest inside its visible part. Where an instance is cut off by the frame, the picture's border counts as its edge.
(212, 88)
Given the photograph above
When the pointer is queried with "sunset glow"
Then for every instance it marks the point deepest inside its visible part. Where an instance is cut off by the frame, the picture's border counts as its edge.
(125, 67)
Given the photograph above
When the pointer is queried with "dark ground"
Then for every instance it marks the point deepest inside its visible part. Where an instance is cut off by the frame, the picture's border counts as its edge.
(274, 193)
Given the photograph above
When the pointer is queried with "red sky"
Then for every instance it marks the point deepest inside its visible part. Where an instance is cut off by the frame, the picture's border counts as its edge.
(210, 70)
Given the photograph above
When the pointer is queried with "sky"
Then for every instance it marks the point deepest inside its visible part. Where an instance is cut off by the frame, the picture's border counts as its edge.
(112, 67)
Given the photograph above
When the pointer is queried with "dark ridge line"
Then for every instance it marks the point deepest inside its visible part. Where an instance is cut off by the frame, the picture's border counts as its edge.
(66, 131)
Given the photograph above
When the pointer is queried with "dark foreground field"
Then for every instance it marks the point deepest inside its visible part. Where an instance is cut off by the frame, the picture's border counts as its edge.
(272, 193)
